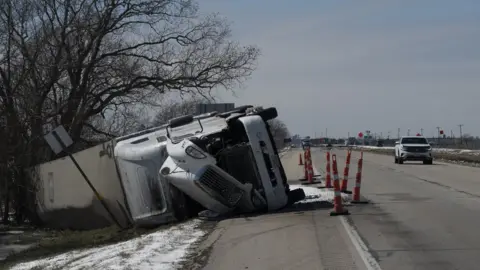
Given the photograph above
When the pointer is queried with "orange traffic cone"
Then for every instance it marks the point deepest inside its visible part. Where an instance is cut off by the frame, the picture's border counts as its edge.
(300, 162)
(344, 185)
(328, 177)
(337, 200)
(358, 181)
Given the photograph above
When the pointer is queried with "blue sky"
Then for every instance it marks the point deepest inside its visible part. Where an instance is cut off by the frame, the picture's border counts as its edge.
(352, 65)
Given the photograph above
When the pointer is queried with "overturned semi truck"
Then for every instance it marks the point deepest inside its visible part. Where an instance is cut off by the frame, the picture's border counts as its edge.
(210, 165)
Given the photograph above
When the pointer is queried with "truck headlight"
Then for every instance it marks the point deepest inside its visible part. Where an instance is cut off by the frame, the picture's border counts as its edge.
(194, 153)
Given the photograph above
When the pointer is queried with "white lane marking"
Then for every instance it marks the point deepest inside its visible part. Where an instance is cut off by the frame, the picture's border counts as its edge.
(362, 249)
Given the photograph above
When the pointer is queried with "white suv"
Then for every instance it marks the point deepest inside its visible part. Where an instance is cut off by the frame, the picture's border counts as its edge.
(415, 148)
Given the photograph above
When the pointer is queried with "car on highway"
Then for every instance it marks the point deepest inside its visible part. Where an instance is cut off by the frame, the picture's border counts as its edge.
(413, 148)
(306, 144)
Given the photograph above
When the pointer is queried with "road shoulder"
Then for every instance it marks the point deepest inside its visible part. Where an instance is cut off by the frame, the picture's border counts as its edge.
(295, 240)
(302, 238)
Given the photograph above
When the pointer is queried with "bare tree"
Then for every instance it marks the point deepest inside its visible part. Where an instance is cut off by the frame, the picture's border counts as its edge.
(92, 57)
(94, 65)
(174, 109)
(279, 131)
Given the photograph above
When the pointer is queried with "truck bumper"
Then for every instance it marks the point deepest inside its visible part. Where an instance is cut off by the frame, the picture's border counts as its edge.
(407, 156)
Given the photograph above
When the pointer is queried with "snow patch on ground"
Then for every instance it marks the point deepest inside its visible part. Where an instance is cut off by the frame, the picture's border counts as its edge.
(160, 250)
(313, 194)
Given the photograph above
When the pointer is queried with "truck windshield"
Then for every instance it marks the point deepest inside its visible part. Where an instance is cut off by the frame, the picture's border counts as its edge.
(414, 141)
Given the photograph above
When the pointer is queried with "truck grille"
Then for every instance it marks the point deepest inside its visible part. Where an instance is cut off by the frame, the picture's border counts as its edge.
(239, 162)
(417, 149)
(223, 190)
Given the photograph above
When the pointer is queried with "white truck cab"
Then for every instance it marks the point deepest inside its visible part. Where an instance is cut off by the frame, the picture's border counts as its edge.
(228, 162)
(413, 148)
(139, 157)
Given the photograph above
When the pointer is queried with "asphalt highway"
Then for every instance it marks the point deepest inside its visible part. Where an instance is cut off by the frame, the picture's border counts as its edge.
(420, 216)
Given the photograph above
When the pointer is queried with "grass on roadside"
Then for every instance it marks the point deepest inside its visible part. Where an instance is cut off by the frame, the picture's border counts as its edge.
(48, 243)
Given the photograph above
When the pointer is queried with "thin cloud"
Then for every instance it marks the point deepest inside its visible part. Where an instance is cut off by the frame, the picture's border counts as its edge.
(351, 68)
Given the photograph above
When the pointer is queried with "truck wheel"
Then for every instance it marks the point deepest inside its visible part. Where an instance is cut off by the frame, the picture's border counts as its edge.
(295, 196)
(268, 113)
(428, 162)
(396, 159)
(400, 161)
(179, 203)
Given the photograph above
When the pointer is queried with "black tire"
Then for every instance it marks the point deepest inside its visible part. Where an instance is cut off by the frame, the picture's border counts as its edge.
(179, 204)
(268, 114)
(400, 161)
(180, 121)
(396, 159)
(295, 196)
(239, 109)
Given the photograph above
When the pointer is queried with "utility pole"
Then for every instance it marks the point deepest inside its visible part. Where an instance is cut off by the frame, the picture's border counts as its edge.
(408, 132)
(398, 133)
(438, 134)
(421, 131)
(326, 133)
(461, 135)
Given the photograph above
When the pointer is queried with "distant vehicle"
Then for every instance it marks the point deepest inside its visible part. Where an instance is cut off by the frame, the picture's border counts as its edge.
(413, 148)
(379, 143)
(293, 145)
(350, 141)
(306, 143)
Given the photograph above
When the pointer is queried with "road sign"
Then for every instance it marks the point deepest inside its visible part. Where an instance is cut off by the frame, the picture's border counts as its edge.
(360, 134)
(58, 139)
